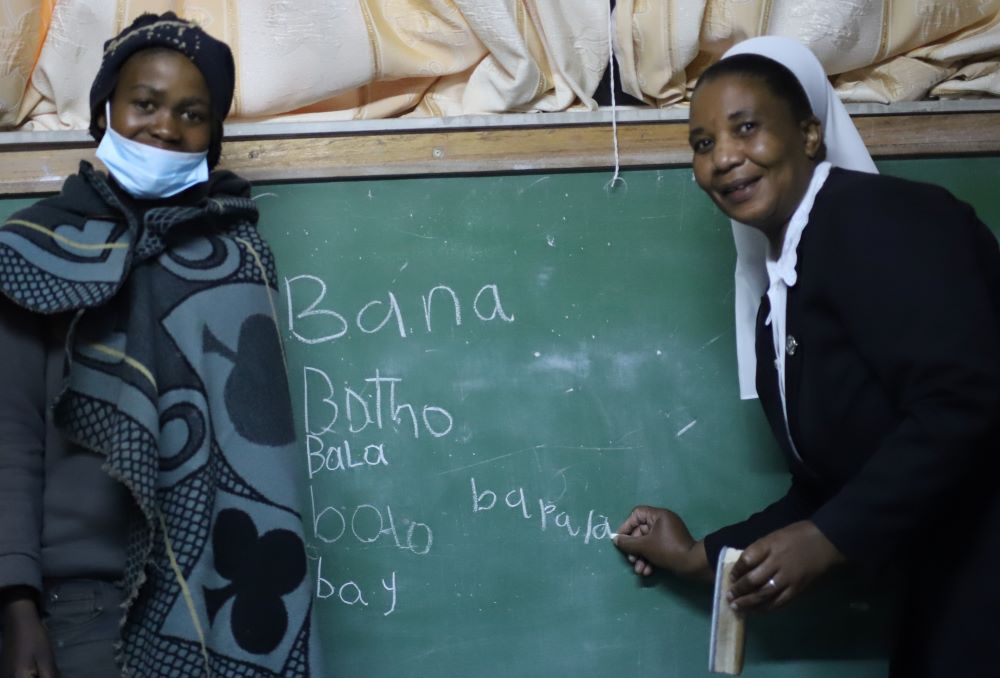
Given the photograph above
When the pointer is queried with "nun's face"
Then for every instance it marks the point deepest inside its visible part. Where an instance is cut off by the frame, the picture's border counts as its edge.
(162, 100)
(750, 155)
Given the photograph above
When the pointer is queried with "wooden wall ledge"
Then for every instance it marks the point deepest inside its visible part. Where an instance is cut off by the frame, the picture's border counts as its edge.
(39, 162)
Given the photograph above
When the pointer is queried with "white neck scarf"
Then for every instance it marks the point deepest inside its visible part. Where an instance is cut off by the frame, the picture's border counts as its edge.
(844, 148)
(781, 276)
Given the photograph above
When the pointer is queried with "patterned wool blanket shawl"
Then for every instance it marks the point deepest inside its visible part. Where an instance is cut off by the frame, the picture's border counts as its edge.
(176, 377)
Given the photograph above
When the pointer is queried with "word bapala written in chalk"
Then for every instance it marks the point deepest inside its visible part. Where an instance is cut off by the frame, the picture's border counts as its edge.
(312, 323)
(547, 513)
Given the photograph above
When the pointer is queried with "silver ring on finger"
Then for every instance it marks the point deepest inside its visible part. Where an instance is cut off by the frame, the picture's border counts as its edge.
(771, 584)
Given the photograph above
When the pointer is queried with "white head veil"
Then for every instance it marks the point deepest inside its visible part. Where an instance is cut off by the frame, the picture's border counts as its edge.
(844, 148)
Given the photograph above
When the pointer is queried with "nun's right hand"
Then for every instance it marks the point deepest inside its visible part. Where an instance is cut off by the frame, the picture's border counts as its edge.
(657, 537)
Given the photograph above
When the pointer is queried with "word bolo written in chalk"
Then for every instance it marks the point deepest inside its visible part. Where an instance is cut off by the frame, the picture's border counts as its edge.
(367, 524)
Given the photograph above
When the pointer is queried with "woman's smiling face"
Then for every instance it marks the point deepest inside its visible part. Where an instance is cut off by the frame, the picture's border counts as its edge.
(750, 154)
(162, 100)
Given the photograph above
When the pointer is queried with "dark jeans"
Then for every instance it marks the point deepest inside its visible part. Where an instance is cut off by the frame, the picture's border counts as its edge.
(82, 617)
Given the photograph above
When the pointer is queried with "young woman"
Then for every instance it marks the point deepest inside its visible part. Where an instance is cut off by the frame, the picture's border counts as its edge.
(146, 446)
(877, 365)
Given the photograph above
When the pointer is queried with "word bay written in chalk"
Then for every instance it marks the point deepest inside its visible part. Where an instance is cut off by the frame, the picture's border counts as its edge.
(351, 594)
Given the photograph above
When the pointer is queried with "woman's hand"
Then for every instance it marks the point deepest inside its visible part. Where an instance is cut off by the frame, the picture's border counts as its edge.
(26, 650)
(775, 569)
(658, 537)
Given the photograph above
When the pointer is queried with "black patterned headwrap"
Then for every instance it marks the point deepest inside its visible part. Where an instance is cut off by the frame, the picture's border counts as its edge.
(212, 57)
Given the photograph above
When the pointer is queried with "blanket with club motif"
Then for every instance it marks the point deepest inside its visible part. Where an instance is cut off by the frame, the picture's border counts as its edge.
(176, 377)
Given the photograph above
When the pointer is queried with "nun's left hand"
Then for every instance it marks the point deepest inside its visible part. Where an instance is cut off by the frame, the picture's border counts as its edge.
(775, 569)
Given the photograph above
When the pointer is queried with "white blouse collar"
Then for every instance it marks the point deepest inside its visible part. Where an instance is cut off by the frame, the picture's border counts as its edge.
(782, 276)
(783, 268)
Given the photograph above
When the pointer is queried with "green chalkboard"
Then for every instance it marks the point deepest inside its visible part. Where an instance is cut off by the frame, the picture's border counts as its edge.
(488, 373)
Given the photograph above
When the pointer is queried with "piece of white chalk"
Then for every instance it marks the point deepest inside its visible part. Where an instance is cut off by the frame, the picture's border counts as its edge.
(613, 536)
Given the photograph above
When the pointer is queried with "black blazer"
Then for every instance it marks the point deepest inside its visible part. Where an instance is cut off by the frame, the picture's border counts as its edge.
(893, 387)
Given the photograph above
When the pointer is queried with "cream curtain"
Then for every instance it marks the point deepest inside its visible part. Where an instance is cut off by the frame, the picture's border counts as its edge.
(880, 50)
(23, 27)
(350, 59)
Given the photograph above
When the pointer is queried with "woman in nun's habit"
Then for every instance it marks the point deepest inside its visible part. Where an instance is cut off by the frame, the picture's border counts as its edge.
(868, 323)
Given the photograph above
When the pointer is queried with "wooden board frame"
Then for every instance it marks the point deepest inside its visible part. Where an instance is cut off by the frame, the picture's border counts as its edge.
(274, 152)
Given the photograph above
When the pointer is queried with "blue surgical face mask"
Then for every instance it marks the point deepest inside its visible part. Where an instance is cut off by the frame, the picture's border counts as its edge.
(146, 171)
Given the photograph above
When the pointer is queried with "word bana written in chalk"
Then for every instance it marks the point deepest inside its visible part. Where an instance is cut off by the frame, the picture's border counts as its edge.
(545, 512)
(310, 322)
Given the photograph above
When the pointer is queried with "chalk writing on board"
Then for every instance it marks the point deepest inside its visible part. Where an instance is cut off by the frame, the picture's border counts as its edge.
(323, 407)
(328, 324)
(350, 593)
(340, 457)
(542, 511)
(367, 524)
(361, 422)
